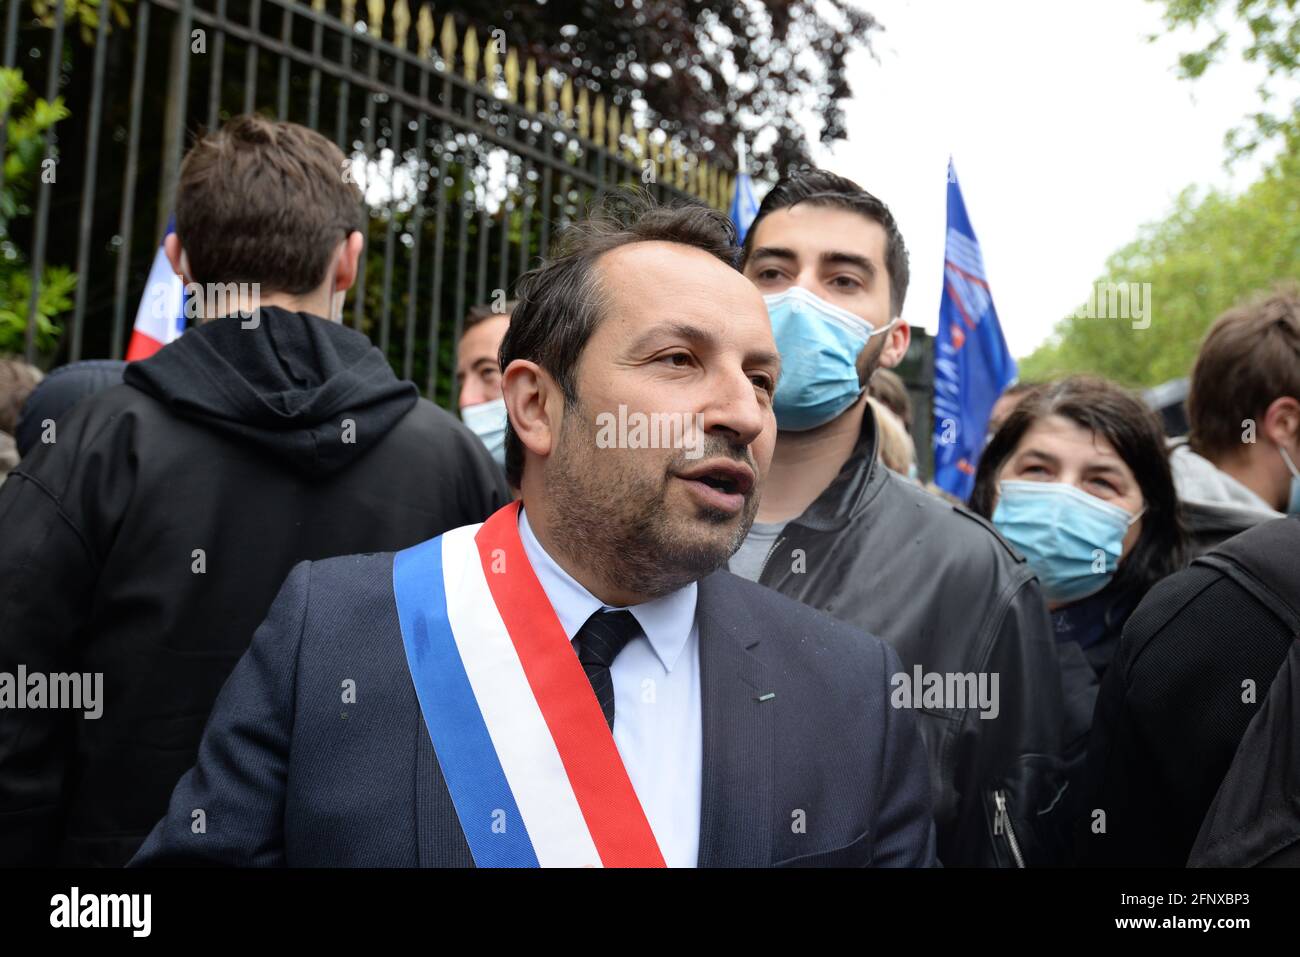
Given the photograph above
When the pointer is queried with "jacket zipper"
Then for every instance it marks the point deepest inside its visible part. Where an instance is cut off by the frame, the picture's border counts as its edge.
(768, 557)
(1001, 800)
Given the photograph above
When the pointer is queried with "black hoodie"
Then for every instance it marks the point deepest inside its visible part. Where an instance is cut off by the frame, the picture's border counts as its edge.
(147, 541)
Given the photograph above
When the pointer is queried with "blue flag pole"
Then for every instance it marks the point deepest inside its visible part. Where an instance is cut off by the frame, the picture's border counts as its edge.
(744, 207)
(972, 365)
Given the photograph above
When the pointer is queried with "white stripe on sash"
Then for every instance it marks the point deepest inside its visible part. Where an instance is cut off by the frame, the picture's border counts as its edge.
(523, 742)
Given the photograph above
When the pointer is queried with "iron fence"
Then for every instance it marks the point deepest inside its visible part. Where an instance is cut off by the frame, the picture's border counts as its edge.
(470, 157)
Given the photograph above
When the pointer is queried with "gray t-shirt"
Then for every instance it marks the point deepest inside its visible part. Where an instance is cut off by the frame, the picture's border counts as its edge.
(748, 560)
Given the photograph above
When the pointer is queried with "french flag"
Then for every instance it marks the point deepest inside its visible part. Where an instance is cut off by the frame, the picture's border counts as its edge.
(523, 745)
(161, 316)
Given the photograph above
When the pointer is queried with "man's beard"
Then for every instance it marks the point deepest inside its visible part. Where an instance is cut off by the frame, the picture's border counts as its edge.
(620, 525)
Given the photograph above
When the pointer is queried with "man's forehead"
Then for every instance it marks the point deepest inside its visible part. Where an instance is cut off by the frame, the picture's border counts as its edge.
(653, 270)
(814, 231)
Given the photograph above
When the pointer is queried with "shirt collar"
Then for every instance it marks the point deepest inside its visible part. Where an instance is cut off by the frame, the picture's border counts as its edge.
(666, 621)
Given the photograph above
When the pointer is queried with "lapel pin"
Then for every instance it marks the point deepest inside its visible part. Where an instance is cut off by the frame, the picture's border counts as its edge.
(766, 697)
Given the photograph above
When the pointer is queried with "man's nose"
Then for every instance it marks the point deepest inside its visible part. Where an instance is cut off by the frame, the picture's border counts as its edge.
(471, 392)
(734, 407)
(808, 279)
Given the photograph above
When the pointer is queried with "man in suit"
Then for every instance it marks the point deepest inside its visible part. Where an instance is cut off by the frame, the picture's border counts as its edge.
(575, 681)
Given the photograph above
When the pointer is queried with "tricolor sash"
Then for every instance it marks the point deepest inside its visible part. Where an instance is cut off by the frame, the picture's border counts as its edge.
(520, 737)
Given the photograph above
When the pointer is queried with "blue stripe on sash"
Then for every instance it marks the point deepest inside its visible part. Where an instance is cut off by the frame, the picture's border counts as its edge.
(460, 737)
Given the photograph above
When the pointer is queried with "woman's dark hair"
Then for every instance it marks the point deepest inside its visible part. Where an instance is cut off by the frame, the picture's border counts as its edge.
(1125, 421)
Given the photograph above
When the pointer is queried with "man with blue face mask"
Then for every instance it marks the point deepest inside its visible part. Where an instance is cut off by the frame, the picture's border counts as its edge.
(839, 531)
(478, 376)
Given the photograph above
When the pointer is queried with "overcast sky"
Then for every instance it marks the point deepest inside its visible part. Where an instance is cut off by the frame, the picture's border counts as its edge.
(1068, 130)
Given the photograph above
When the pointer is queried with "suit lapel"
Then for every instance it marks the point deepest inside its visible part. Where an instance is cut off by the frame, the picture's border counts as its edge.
(736, 805)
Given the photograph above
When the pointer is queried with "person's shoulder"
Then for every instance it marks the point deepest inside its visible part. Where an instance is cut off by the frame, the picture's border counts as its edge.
(352, 576)
(1190, 602)
(961, 531)
(432, 430)
(108, 422)
(425, 414)
(344, 595)
(1261, 544)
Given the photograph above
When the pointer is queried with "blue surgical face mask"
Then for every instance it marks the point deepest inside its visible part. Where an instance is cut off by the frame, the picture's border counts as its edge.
(487, 420)
(1293, 503)
(1072, 540)
(819, 344)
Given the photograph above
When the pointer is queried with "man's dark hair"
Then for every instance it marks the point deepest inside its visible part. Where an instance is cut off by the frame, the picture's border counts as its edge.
(482, 312)
(818, 187)
(559, 304)
(1250, 356)
(267, 202)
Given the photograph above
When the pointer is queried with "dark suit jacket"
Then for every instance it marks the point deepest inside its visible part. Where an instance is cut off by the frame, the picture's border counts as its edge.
(826, 773)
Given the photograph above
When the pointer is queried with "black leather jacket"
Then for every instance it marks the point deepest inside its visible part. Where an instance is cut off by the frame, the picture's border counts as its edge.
(941, 586)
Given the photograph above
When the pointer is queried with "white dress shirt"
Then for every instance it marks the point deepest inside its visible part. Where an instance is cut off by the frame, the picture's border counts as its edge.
(657, 725)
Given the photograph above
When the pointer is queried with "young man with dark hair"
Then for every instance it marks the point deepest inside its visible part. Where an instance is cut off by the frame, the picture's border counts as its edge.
(1239, 465)
(839, 531)
(144, 543)
(594, 691)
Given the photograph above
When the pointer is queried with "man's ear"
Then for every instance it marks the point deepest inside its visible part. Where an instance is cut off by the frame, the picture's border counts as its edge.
(897, 340)
(180, 263)
(530, 395)
(345, 270)
(1282, 420)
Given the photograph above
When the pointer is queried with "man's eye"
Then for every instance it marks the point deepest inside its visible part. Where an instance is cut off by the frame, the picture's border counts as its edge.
(846, 282)
(763, 382)
(677, 359)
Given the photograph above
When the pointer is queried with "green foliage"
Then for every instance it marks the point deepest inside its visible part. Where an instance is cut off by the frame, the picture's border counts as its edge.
(57, 286)
(1274, 42)
(1212, 251)
(82, 13)
(23, 155)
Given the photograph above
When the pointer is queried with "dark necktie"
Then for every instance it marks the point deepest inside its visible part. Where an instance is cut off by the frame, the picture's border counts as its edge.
(599, 641)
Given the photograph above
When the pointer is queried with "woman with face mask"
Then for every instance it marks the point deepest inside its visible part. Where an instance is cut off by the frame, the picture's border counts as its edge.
(1077, 479)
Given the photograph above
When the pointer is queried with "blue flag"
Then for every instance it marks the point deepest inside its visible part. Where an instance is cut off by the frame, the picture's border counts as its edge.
(743, 205)
(971, 362)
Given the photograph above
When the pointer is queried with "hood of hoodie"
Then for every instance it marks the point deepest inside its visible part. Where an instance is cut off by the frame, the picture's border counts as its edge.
(1212, 499)
(312, 393)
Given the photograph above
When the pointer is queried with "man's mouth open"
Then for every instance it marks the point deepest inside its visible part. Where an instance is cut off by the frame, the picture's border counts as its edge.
(721, 484)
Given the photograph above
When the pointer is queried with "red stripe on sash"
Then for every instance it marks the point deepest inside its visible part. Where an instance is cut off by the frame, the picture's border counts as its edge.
(609, 804)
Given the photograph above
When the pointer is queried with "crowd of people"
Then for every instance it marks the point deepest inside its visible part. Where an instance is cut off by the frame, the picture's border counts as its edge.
(336, 625)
